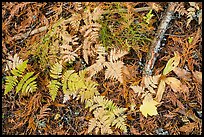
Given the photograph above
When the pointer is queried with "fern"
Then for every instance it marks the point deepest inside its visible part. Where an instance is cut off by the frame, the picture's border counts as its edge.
(56, 71)
(77, 84)
(98, 66)
(13, 62)
(116, 54)
(65, 79)
(77, 6)
(18, 71)
(114, 70)
(180, 9)
(53, 88)
(106, 114)
(74, 20)
(25, 81)
(114, 67)
(11, 81)
(91, 35)
(191, 12)
(67, 54)
(30, 85)
(26, 84)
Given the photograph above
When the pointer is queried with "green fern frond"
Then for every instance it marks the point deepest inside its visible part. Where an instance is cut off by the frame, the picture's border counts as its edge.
(23, 80)
(30, 85)
(20, 68)
(56, 71)
(53, 88)
(11, 81)
(65, 79)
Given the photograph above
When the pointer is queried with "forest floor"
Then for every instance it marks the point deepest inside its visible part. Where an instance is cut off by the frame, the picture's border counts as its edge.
(82, 36)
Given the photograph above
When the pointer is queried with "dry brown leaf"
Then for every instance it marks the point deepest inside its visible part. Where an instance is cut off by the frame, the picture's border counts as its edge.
(161, 89)
(188, 128)
(198, 76)
(134, 131)
(182, 73)
(174, 83)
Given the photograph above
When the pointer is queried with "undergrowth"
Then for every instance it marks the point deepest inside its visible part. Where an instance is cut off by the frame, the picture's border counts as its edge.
(79, 57)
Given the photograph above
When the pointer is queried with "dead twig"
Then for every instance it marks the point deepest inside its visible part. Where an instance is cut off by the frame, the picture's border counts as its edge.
(152, 55)
(25, 35)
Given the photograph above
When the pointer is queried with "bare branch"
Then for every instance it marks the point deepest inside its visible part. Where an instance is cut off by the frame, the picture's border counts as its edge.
(152, 55)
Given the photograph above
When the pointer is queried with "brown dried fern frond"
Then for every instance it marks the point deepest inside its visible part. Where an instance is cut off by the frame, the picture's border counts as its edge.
(91, 35)
(43, 112)
(114, 70)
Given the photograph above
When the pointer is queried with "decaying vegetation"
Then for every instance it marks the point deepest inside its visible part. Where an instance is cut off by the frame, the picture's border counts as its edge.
(124, 68)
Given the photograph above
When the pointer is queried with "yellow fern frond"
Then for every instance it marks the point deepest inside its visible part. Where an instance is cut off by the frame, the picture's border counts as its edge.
(56, 71)
(65, 79)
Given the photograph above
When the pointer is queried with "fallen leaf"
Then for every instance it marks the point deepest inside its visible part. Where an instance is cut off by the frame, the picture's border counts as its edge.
(188, 127)
(198, 76)
(149, 106)
(182, 73)
(172, 63)
(174, 83)
(160, 91)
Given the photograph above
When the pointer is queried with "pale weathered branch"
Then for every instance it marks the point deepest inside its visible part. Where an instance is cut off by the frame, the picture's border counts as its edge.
(35, 31)
(153, 50)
